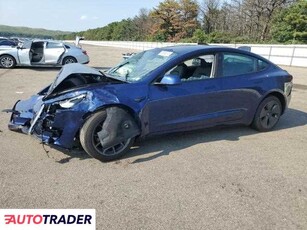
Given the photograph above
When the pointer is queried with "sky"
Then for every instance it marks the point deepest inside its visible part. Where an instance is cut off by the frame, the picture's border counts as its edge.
(69, 15)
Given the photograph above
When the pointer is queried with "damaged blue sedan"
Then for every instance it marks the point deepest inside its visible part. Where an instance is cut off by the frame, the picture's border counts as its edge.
(158, 91)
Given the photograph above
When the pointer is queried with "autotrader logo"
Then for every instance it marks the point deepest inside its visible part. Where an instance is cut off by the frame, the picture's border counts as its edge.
(36, 219)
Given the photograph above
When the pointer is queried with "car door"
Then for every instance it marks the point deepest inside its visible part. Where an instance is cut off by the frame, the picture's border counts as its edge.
(194, 103)
(53, 51)
(24, 53)
(242, 85)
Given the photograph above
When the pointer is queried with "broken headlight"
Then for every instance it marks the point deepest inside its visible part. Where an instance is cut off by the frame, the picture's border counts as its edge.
(66, 104)
(288, 88)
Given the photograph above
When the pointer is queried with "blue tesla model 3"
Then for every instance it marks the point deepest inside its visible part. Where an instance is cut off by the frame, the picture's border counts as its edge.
(158, 91)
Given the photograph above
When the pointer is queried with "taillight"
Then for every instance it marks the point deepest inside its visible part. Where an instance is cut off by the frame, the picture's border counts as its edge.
(288, 78)
(84, 51)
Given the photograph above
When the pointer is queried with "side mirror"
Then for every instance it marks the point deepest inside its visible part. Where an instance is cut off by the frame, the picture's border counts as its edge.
(245, 48)
(20, 46)
(170, 79)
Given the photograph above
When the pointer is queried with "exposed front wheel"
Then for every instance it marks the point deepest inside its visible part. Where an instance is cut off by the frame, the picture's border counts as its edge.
(267, 114)
(7, 61)
(69, 60)
(89, 138)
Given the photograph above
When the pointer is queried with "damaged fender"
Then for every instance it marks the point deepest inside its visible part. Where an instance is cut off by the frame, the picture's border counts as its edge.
(118, 126)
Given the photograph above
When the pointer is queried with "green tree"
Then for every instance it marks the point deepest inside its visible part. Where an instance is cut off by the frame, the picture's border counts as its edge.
(199, 36)
(290, 25)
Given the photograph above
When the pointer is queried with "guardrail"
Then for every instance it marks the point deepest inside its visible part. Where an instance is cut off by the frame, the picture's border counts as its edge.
(289, 55)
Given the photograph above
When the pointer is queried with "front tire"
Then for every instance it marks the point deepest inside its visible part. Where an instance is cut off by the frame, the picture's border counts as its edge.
(91, 143)
(267, 114)
(7, 61)
(68, 60)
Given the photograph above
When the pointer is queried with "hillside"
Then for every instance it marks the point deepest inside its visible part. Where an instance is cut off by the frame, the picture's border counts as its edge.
(14, 31)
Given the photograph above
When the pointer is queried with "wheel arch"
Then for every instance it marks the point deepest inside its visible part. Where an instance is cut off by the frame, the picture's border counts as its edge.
(129, 110)
(68, 56)
(256, 124)
(122, 106)
(5, 54)
(277, 94)
(280, 97)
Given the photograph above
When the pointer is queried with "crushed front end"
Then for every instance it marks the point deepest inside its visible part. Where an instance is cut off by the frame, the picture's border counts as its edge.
(55, 121)
(57, 115)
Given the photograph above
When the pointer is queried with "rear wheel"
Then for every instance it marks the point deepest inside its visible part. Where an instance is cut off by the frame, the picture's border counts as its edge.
(91, 144)
(267, 114)
(7, 61)
(68, 60)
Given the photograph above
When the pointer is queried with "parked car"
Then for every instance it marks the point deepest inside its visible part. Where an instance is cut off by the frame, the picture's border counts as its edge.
(3, 39)
(41, 53)
(8, 43)
(128, 55)
(158, 91)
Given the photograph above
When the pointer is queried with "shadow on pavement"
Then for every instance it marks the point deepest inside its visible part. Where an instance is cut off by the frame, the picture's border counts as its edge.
(40, 68)
(166, 144)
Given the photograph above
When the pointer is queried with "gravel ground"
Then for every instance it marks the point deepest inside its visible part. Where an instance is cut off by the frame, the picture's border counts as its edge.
(230, 178)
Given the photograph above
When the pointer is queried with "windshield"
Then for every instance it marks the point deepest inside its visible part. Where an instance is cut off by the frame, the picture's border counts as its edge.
(138, 66)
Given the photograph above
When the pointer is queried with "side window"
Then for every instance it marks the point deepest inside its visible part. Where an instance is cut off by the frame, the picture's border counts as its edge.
(237, 64)
(262, 65)
(54, 45)
(194, 69)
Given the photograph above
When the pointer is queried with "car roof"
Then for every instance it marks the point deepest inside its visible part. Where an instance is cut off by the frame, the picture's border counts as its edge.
(185, 49)
(182, 49)
(45, 40)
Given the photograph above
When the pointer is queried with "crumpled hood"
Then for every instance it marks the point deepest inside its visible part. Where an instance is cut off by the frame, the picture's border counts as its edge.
(69, 69)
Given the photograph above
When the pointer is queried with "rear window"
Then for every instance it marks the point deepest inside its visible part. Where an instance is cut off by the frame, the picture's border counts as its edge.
(262, 65)
(54, 45)
(240, 64)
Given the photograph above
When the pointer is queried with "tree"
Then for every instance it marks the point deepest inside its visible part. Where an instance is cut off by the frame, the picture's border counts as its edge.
(291, 23)
(211, 21)
(261, 15)
(165, 20)
(173, 20)
(210, 14)
(143, 23)
(187, 23)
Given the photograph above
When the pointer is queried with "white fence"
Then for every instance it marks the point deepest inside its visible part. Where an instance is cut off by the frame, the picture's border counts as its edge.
(290, 55)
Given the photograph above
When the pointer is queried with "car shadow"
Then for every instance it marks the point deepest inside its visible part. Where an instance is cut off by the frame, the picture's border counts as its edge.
(167, 144)
(75, 153)
(40, 68)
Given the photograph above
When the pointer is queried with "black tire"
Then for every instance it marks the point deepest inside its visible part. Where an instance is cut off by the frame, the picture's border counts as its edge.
(267, 114)
(7, 61)
(68, 60)
(91, 144)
